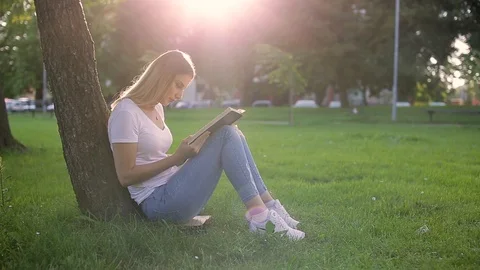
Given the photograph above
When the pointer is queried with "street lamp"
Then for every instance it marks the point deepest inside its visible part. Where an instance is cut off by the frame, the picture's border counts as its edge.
(44, 90)
(395, 61)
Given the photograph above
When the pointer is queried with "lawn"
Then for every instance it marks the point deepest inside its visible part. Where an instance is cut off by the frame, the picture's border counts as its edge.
(369, 194)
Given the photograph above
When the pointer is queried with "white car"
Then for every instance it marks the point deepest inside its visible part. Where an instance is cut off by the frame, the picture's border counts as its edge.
(9, 104)
(206, 103)
(403, 104)
(437, 104)
(304, 103)
(335, 104)
(182, 105)
(231, 103)
(23, 105)
(262, 103)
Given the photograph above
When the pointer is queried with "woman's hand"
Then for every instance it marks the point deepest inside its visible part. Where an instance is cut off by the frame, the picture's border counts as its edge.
(186, 151)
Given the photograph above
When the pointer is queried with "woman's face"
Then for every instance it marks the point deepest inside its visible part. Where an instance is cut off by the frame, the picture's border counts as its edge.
(175, 91)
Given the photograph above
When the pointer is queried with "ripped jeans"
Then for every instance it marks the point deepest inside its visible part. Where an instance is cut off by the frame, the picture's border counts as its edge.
(189, 189)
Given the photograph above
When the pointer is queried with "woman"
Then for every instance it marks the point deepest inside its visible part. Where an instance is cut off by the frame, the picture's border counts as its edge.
(176, 187)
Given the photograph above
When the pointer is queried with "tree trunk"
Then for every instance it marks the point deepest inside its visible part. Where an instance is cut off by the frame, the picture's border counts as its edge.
(342, 84)
(364, 94)
(407, 88)
(342, 91)
(343, 97)
(246, 83)
(82, 114)
(7, 142)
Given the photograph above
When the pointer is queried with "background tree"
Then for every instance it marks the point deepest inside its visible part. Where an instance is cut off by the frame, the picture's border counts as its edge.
(20, 58)
(284, 71)
(350, 43)
(15, 22)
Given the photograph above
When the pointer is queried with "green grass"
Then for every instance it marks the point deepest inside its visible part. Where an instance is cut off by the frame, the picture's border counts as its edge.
(360, 185)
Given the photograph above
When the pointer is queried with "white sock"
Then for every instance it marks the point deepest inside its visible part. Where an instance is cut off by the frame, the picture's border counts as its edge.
(270, 204)
(258, 216)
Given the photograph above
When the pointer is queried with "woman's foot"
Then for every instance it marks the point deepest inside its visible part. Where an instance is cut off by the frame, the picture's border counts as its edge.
(278, 207)
(279, 225)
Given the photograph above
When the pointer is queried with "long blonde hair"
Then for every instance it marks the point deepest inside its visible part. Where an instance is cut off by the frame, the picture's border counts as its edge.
(152, 84)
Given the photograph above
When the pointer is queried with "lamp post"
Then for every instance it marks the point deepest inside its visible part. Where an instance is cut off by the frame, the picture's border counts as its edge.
(395, 61)
(44, 89)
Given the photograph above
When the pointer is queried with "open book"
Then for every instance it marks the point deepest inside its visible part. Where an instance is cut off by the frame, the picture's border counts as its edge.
(227, 117)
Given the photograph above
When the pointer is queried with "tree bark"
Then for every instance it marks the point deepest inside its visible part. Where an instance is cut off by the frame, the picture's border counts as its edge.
(81, 111)
(7, 141)
(246, 83)
(342, 87)
(407, 88)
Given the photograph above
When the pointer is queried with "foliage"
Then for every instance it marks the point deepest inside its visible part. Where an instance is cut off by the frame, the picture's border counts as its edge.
(469, 68)
(101, 17)
(284, 69)
(21, 66)
(348, 43)
(20, 57)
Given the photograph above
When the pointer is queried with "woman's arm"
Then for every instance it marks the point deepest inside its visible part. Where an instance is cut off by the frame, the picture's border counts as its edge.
(128, 173)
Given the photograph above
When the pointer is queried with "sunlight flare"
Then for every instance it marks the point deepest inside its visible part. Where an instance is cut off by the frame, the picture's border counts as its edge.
(214, 9)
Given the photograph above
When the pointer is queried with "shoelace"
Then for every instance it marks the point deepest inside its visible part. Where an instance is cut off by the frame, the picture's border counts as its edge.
(276, 219)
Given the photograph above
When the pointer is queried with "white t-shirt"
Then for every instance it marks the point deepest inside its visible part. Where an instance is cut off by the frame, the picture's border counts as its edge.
(129, 124)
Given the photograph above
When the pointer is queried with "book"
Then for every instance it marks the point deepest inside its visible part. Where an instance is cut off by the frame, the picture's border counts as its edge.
(227, 117)
(198, 221)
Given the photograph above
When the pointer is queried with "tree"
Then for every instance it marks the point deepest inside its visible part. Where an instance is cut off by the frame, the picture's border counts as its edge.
(7, 141)
(101, 17)
(140, 31)
(20, 60)
(284, 71)
(82, 114)
(10, 14)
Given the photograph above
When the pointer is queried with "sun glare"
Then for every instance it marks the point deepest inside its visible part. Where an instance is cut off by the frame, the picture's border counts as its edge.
(213, 9)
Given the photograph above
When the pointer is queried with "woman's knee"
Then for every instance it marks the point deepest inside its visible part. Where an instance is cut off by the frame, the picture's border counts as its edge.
(231, 130)
(238, 131)
(228, 128)
(227, 131)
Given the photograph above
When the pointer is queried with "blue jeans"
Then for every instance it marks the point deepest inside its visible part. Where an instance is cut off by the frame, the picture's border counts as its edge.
(189, 189)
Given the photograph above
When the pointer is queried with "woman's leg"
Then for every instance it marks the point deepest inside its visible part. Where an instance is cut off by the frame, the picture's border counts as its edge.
(189, 189)
(261, 187)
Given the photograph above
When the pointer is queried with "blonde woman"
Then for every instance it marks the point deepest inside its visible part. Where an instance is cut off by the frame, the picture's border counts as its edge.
(176, 187)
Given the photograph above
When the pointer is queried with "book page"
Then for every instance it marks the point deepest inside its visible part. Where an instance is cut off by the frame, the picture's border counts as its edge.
(227, 117)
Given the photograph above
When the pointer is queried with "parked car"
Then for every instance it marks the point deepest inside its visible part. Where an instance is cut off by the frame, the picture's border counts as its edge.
(403, 104)
(23, 105)
(303, 103)
(50, 107)
(437, 104)
(231, 103)
(182, 105)
(262, 103)
(207, 103)
(9, 104)
(335, 104)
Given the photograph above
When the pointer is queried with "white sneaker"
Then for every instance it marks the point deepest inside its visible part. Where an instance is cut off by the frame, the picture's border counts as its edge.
(280, 226)
(278, 207)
